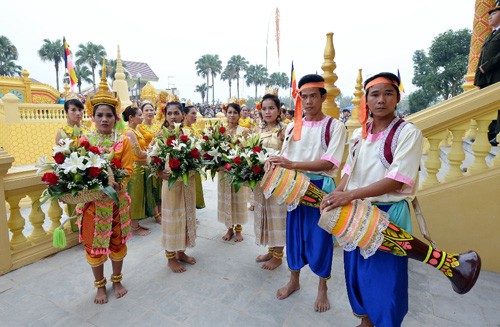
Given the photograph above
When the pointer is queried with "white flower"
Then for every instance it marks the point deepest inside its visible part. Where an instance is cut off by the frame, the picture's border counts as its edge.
(73, 162)
(263, 156)
(225, 146)
(153, 150)
(43, 165)
(63, 146)
(178, 146)
(95, 160)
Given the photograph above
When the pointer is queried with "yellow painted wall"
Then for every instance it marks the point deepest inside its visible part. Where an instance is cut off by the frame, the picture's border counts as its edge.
(465, 215)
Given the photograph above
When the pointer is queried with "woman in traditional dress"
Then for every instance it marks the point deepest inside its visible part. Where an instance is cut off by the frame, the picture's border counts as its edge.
(191, 129)
(104, 225)
(232, 205)
(269, 216)
(178, 207)
(136, 187)
(73, 129)
(148, 128)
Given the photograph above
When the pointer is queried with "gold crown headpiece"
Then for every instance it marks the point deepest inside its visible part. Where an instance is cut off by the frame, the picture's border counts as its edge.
(103, 96)
(71, 96)
(272, 90)
(172, 98)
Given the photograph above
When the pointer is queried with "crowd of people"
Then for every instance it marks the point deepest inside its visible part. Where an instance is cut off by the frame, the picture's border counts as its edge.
(306, 141)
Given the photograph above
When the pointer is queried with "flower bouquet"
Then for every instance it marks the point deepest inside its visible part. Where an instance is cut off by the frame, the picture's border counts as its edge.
(176, 153)
(215, 145)
(80, 173)
(245, 163)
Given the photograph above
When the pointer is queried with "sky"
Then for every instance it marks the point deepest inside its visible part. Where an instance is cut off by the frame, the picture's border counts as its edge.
(170, 36)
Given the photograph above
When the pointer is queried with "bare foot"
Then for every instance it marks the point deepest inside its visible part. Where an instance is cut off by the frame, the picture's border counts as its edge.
(158, 218)
(322, 303)
(119, 289)
(272, 264)
(101, 297)
(176, 266)
(140, 231)
(183, 257)
(264, 257)
(366, 322)
(287, 290)
(238, 237)
(229, 235)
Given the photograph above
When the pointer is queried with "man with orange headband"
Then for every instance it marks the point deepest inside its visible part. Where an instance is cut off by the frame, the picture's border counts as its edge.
(388, 152)
(314, 145)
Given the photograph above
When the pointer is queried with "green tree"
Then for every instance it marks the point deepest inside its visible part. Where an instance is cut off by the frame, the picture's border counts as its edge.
(8, 54)
(256, 75)
(203, 68)
(84, 75)
(279, 79)
(228, 74)
(52, 51)
(202, 89)
(440, 74)
(343, 101)
(238, 63)
(215, 69)
(92, 55)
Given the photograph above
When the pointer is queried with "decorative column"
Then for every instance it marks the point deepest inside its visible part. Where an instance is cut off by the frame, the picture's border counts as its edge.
(55, 213)
(457, 154)
(27, 83)
(433, 163)
(480, 30)
(330, 108)
(37, 217)
(120, 85)
(6, 161)
(353, 121)
(481, 145)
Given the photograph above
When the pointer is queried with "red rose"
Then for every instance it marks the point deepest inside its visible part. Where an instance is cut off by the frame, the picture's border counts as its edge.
(257, 170)
(257, 149)
(174, 163)
(94, 149)
(222, 130)
(116, 163)
(184, 138)
(50, 178)
(227, 166)
(59, 158)
(170, 140)
(156, 160)
(84, 143)
(207, 156)
(94, 172)
(205, 137)
(195, 154)
(237, 160)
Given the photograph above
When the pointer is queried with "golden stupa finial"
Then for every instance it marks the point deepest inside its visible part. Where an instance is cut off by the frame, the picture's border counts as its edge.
(103, 95)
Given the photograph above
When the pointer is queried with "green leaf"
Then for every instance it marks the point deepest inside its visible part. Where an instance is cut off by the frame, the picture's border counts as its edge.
(185, 177)
(252, 184)
(110, 191)
(237, 186)
(171, 181)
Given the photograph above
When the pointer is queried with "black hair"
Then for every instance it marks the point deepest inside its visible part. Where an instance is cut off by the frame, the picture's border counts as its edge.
(187, 109)
(129, 111)
(145, 104)
(77, 103)
(235, 106)
(274, 98)
(175, 104)
(387, 75)
(113, 109)
(313, 78)
(290, 112)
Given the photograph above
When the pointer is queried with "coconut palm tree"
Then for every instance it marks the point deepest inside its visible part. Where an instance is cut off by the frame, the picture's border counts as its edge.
(279, 79)
(256, 75)
(215, 69)
(52, 51)
(83, 74)
(238, 63)
(91, 54)
(202, 89)
(203, 68)
(228, 75)
(8, 54)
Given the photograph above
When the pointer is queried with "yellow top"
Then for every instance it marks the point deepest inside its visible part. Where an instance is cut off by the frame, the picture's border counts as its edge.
(192, 130)
(70, 132)
(148, 131)
(246, 122)
(137, 148)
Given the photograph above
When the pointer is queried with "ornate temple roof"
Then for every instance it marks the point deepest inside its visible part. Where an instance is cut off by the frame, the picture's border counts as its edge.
(134, 67)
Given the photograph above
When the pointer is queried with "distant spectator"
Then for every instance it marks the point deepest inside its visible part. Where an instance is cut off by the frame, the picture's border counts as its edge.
(60, 100)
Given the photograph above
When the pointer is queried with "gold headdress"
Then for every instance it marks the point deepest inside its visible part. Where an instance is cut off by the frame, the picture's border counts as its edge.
(103, 96)
(188, 104)
(71, 96)
(496, 7)
(272, 90)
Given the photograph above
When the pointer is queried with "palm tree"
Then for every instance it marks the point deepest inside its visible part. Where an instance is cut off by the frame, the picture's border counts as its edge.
(228, 75)
(91, 54)
(279, 79)
(215, 68)
(256, 75)
(202, 89)
(52, 51)
(238, 63)
(203, 68)
(8, 54)
(83, 74)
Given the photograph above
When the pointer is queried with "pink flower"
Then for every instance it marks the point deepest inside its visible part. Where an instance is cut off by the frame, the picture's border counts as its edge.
(228, 166)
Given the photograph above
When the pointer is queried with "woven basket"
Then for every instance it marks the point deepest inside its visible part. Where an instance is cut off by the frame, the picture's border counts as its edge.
(82, 197)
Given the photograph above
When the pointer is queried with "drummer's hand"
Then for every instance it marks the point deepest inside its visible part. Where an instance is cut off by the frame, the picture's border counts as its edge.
(336, 199)
(281, 161)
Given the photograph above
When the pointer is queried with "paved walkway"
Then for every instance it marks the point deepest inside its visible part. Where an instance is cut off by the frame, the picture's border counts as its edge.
(225, 288)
